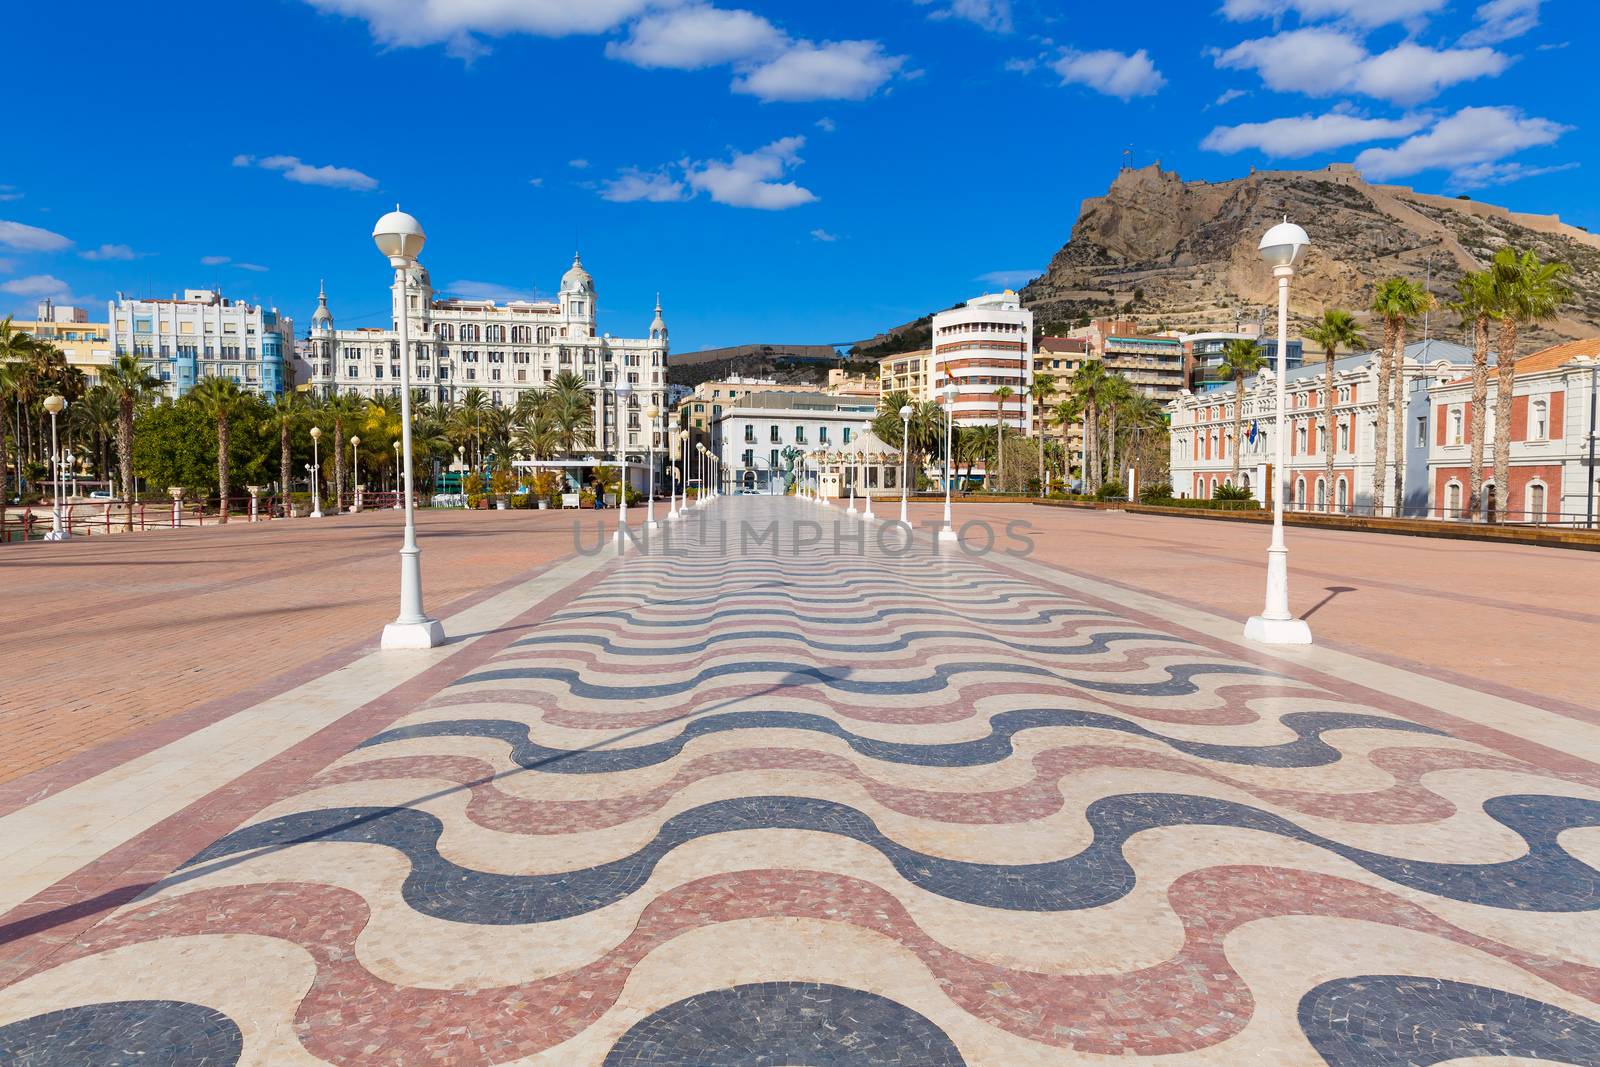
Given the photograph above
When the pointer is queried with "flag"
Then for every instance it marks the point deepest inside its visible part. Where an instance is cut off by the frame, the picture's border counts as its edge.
(1253, 431)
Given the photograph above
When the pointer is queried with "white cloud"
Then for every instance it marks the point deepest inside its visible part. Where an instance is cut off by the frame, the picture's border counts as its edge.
(1008, 279)
(824, 236)
(1326, 62)
(1501, 20)
(578, 164)
(8, 193)
(258, 268)
(1366, 13)
(827, 125)
(37, 285)
(457, 23)
(536, 182)
(1461, 142)
(1482, 174)
(1022, 66)
(7, 266)
(689, 38)
(105, 252)
(306, 174)
(242, 160)
(500, 294)
(1306, 135)
(27, 238)
(215, 261)
(653, 187)
(752, 179)
(1229, 96)
(992, 15)
(836, 70)
(1113, 73)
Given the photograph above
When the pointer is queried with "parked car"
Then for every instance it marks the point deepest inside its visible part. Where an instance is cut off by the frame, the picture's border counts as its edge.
(100, 494)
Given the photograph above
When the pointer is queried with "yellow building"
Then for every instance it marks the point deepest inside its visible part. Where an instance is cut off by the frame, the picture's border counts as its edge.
(907, 372)
(85, 344)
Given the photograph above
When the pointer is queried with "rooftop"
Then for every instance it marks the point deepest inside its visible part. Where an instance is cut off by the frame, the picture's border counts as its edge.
(1420, 352)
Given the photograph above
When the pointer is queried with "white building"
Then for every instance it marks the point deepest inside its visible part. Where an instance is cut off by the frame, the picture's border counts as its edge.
(202, 335)
(983, 345)
(1203, 426)
(763, 435)
(502, 349)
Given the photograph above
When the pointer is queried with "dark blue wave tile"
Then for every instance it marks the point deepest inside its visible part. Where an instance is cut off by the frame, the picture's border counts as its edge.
(1396, 1020)
(773, 1024)
(124, 1033)
(1094, 645)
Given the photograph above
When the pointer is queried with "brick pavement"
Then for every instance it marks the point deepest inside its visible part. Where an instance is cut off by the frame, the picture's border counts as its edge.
(109, 634)
(745, 807)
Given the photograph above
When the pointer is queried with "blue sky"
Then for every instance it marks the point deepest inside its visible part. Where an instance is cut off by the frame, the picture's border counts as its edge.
(791, 172)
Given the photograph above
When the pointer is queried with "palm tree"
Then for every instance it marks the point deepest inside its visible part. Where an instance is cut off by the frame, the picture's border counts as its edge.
(289, 411)
(1040, 390)
(1476, 306)
(1088, 385)
(96, 416)
(221, 399)
(974, 443)
(1065, 414)
(1397, 301)
(339, 409)
(15, 348)
(1115, 398)
(131, 383)
(1001, 395)
(1337, 330)
(1242, 360)
(1525, 290)
(570, 410)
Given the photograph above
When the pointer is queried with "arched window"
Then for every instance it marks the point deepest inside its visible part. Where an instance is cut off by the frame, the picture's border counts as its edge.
(444, 331)
(1539, 420)
(1342, 495)
(1456, 419)
(1322, 495)
(1491, 502)
(1536, 499)
(1300, 492)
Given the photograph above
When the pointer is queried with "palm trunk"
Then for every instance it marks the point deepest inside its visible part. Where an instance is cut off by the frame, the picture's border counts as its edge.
(338, 465)
(1398, 429)
(5, 478)
(1380, 437)
(1505, 386)
(1480, 411)
(1238, 427)
(1041, 459)
(1111, 439)
(284, 466)
(222, 470)
(1329, 437)
(125, 457)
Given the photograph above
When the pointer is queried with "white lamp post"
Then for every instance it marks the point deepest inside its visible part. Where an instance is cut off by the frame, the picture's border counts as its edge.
(400, 238)
(355, 470)
(623, 392)
(947, 532)
(315, 471)
(905, 466)
(680, 474)
(55, 405)
(397, 496)
(866, 487)
(651, 413)
(700, 473)
(849, 458)
(1281, 248)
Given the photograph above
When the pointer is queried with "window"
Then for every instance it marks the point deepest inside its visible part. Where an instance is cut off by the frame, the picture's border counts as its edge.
(1422, 431)
(1539, 422)
(1343, 496)
(822, 435)
(1300, 442)
(1536, 501)
(773, 459)
(847, 435)
(1457, 419)
(749, 436)
(1452, 500)
(749, 456)
(775, 438)
(799, 435)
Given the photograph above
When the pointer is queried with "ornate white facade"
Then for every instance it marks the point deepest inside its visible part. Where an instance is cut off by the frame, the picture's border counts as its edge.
(502, 349)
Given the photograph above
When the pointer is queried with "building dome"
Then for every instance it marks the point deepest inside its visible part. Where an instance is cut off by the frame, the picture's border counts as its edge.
(322, 318)
(577, 279)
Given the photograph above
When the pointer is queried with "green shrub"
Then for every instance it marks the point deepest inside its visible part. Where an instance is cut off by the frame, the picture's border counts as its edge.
(1208, 505)
(1231, 492)
(1112, 491)
(1157, 491)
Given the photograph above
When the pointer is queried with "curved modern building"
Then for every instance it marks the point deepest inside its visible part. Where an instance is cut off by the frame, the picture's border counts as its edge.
(982, 345)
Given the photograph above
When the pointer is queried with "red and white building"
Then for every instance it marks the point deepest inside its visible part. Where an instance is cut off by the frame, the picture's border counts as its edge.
(1552, 417)
(982, 345)
(1202, 431)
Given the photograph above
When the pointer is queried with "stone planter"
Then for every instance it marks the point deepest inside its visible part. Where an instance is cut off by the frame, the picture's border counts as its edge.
(544, 505)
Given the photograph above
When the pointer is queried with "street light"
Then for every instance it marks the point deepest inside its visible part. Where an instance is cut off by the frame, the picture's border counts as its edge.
(849, 458)
(680, 476)
(866, 488)
(1281, 248)
(947, 532)
(700, 473)
(651, 413)
(400, 238)
(316, 471)
(397, 504)
(905, 467)
(355, 470)
(55, 405)
(623, 391)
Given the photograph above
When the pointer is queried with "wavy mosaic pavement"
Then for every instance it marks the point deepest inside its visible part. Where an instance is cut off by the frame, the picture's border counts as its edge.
(863, 809)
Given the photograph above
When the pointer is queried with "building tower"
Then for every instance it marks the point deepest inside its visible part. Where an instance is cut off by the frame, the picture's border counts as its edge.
(578, 299)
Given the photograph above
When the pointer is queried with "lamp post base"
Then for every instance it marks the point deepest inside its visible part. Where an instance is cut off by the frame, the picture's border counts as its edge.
(426, 633)
(948, 534)
(1277, 631)
(58, 535)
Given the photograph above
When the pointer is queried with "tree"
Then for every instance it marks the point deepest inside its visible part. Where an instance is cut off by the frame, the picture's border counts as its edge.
(1525, 290)
(15, 347)
(569, 410)
(132, 384)
(341, 410)
(1396, 301)
(1065, 414)
(1476, 306)
(221, 399)
(1088, 386)
(1242, 360)
(288, 415)
(1040, 390)
(1337, 330)
(1001, 395)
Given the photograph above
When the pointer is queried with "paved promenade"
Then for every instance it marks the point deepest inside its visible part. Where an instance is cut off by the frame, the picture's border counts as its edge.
(756, 801)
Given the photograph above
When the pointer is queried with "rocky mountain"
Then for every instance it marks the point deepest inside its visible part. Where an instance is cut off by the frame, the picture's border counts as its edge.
(1182, 255)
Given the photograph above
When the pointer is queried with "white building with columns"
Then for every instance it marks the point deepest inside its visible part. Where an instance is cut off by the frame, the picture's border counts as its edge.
(503, 349)
(1202, 430)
